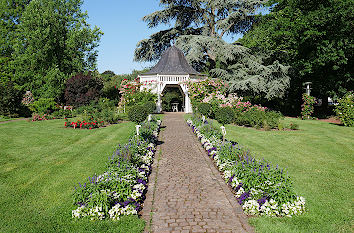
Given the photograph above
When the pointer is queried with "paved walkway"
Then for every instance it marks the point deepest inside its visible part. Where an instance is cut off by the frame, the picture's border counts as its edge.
(186, 192)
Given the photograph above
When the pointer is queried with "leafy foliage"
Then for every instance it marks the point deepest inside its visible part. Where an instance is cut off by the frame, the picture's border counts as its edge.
(315, 37)
(225, 115)
(345, 109)
(307, 106)
(169, 97)
(199, 29)
(82, 89)
(46, 42)
(138, 114)
(150, 106)
(255, 117)
(204, 109)
(10, 99)
(43, 105)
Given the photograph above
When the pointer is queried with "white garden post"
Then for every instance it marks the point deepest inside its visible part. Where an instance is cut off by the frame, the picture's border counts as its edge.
(137, 129)
(223, 131)
(203, 118)
(149, 118)
(308, 88)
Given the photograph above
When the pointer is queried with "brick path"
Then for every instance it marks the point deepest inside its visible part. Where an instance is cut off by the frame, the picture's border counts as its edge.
(186, 192)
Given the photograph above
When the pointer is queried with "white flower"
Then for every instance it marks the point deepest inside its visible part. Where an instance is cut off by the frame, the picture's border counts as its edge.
(79, 212)
(118, 210)
(239, 192)
(251, 207)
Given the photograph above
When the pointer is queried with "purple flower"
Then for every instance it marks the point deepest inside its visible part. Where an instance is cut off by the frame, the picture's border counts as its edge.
(231, 178)
(261, 201)
(243, 197)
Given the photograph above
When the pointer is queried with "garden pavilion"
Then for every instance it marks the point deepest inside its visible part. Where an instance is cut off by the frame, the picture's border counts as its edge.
(172, 71)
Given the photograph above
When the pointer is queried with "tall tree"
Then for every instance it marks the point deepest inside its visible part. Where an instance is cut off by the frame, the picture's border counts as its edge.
(10, 14)
(315, 37)
(199, 29)
(54, 41)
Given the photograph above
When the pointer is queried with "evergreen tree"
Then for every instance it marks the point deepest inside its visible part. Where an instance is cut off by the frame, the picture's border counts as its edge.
(199, 29)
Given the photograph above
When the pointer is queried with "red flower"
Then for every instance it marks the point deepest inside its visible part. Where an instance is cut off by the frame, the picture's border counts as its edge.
(65, 124)
(90, 128)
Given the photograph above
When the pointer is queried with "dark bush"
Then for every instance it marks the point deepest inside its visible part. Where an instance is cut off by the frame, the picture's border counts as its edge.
(82, 89)
(10, 99)
(150, 106)
(225, 115)
(204, 109)
(137, 114)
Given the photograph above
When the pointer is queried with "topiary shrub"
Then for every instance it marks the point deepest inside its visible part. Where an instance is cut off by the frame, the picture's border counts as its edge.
(204, 109)
(345, 109)
(150, 106)
(137, 114)
(225, 115)
(82, 89)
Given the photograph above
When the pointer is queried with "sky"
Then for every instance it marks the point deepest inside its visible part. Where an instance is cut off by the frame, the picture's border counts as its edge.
(122, 25)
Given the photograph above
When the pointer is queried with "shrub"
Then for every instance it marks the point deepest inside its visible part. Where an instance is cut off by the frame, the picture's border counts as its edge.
(150, 106)
(258, 118)
(137, 114)
(272, 118)
(204, 109)
(43, 105)
(61, 113)
(280, 126)
(345, 109)
(10, 99)
(293, 126)
(254, 118)
(82, 89)
(225, 115)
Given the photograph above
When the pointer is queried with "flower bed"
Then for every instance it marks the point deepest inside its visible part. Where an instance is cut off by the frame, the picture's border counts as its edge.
(83, 124)
(42, 117)
(260, 188)
(121, 189)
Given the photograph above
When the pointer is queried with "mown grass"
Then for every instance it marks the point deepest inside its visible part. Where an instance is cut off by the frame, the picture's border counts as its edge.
(319, 157)
(2, 118)
(40, 162)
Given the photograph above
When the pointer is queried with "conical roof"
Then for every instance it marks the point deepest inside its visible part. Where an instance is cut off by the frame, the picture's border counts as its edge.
(172, 62)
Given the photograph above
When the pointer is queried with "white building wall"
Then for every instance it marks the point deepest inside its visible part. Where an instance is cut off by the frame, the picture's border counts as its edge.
(157, 83)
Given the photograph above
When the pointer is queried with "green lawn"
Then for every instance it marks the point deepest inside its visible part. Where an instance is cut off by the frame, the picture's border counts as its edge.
(2, 118)
(319, 157)
(40, 162)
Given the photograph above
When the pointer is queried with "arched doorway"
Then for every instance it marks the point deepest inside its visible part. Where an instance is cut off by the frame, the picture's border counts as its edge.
(172, 98)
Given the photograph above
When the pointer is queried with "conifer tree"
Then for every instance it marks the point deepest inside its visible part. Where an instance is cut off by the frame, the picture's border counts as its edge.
(199, 29)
